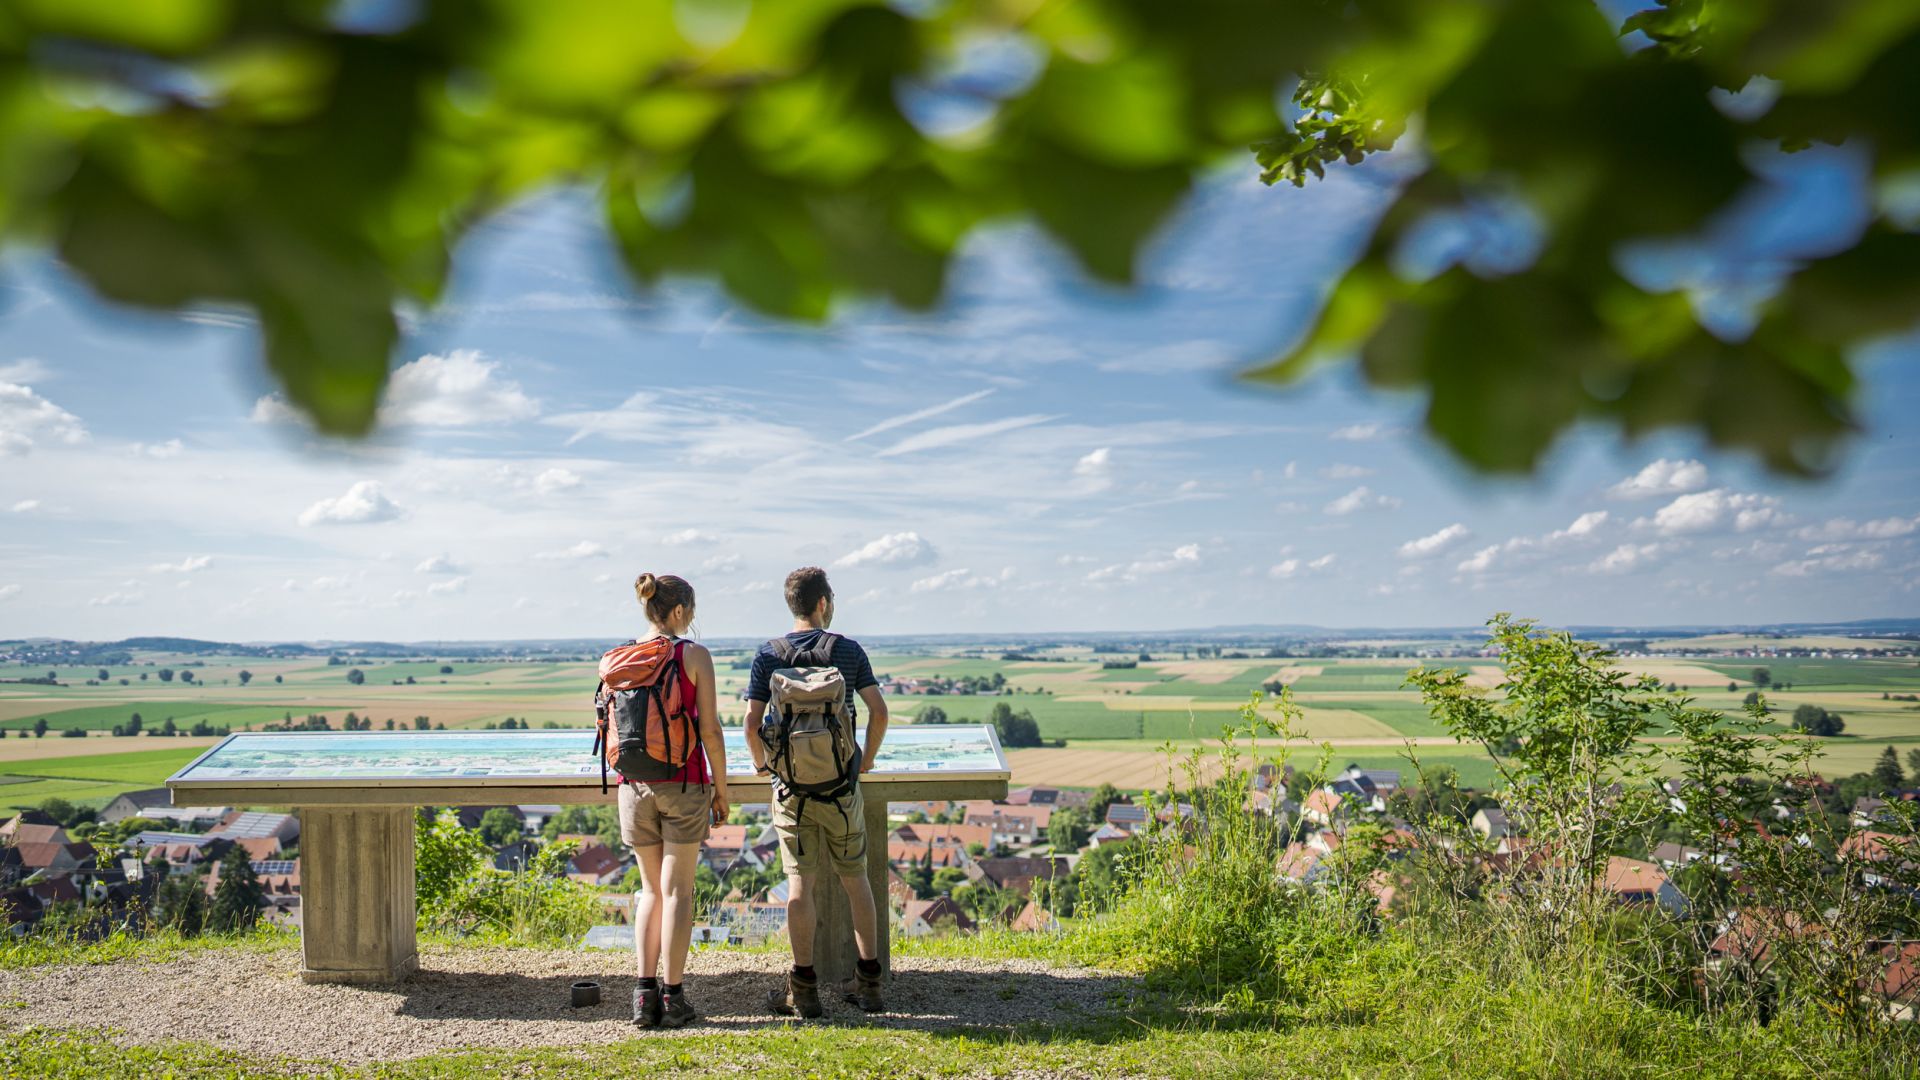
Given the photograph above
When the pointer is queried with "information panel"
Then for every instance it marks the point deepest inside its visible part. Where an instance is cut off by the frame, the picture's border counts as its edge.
(531, 758)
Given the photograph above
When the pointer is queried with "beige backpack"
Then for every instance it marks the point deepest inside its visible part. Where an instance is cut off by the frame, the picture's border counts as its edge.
(808, 727)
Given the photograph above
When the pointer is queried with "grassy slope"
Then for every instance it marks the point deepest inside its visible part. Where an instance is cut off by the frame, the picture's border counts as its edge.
(1415, 1023)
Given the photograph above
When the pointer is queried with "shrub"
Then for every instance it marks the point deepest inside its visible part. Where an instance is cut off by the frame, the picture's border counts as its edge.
(459, 891)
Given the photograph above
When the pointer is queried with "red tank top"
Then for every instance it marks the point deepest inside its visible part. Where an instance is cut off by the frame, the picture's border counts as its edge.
(696, 770)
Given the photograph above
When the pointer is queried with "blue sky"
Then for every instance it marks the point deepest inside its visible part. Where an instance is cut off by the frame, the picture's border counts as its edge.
(1040, 454)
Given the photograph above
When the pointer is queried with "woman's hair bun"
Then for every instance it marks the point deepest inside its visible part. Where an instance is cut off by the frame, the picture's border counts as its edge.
(644, 586)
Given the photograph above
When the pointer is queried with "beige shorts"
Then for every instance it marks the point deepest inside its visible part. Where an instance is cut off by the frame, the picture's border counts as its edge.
(652, 814)
(813, 832)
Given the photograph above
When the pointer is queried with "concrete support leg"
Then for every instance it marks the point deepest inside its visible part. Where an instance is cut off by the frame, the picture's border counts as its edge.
(877, 877)
(356, 894)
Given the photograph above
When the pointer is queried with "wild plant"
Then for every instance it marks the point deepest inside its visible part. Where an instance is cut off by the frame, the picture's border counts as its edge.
(1564, 728)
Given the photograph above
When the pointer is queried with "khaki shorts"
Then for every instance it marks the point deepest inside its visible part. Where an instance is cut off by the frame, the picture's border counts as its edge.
(651, 814)
(812, 832)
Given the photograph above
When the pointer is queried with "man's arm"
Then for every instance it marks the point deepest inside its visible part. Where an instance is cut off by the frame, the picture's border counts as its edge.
(876, 725)
(755, 749)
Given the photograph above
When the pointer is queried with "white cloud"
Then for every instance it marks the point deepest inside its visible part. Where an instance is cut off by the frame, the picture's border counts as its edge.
(447, 587)
(1357, 433)
(554, 481)
(1584, 525)
(1707, 510)
(8, 592)
(332, 583)
(1832, 558)
(1322, 562)
(1183, 557)
(1097, 464)
(959, 433)
(1480, 561)
(191, 565)
(1360, 498)
(962, 579)
(1283, 569)
(273, 409)
(914, 417)
(1342, 471)
(893, 549)
(585, 549)
(1849, 529)
(116, 599)
(26, 418)
(689, 538)
(439, 564)
(1626, 557)
(456, 390)
(721, 564)
(1662, 477)
(169, 449)
(363, 504)
(1433, 542)
(26, 506)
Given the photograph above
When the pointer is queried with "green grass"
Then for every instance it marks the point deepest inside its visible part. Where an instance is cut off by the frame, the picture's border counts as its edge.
(46, 951)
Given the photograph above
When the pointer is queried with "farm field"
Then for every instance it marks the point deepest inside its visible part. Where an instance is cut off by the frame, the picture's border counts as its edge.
(89, 779)
(1113, 720)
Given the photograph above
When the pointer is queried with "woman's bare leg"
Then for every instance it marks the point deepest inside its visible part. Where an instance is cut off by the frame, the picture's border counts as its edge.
(675, 873)
(647, 910)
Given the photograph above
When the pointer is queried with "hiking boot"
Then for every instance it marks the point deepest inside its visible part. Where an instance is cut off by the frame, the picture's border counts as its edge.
(864, 991)
(801, 996)
(646, 1007)
(679, 1013)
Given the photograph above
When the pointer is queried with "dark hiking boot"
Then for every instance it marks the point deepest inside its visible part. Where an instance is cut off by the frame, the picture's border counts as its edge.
(864, 991)
(646, 1007)
(800, 997)
(679, 1012)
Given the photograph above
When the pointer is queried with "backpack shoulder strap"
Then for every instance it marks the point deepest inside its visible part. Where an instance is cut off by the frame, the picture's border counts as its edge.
(782, 650)
(821, 655)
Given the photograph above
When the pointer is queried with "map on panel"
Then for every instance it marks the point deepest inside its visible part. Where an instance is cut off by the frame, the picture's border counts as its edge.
(419, 758)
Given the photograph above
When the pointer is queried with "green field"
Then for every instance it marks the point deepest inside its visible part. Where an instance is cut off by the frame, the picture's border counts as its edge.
(153, 713)
(1354, 677)
(1902, 676)
(91, 779)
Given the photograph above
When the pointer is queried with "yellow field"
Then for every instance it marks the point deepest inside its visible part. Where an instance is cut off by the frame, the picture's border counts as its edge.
(1124, 769)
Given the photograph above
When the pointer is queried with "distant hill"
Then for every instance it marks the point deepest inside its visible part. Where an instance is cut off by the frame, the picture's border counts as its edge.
(1265, 634)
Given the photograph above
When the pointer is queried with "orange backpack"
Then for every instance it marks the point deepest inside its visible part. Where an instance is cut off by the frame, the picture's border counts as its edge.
(643, 720)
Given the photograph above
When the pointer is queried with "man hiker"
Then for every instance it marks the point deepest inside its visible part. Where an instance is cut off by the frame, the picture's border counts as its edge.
(800, 731)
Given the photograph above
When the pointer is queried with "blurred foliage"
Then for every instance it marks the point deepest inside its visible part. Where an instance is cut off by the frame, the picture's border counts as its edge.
(315, 162)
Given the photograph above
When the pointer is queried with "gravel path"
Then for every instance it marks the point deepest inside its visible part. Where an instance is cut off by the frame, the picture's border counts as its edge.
(472, 998)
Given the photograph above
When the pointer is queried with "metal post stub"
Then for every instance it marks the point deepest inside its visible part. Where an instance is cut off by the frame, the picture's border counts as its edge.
(586, 993)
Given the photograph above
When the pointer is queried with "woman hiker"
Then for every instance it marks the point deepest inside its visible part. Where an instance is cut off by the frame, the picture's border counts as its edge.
(665, 821)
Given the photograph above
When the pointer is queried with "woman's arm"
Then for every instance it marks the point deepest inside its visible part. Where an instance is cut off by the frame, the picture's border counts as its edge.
(700, 669)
